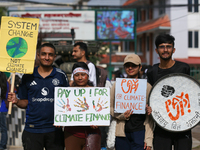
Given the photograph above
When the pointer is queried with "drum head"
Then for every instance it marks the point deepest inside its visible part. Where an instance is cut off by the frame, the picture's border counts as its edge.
(175, 102)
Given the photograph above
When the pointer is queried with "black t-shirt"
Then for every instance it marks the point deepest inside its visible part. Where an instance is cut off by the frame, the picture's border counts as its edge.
(135, 123)
(154, 73)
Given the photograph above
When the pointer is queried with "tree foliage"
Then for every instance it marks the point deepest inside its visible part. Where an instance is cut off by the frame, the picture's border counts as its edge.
(96, 56)
(3, 11)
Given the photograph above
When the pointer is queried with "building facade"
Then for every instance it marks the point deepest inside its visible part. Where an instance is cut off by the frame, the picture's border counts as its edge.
(180, 18)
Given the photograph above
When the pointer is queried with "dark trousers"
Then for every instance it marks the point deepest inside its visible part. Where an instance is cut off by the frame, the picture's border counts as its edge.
(132, 141)
(39, 141)
(163, 140)
(104, 134)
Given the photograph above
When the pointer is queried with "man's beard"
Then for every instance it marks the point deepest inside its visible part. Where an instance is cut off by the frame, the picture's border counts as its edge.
(165, 58)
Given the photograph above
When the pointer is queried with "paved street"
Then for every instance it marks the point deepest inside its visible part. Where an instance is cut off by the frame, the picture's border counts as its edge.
(195, 145)
(196, 137)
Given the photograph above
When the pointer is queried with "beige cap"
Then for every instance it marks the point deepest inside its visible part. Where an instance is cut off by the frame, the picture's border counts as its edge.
(133, 58)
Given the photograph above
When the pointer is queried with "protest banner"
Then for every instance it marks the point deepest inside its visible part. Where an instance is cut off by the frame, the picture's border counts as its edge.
(130, 94)
(18, 46)
(81, 106)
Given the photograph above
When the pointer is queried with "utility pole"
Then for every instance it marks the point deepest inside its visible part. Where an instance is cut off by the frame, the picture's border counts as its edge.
(72, 34)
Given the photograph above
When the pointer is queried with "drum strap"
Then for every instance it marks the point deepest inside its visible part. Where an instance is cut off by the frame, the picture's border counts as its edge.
(155, 73)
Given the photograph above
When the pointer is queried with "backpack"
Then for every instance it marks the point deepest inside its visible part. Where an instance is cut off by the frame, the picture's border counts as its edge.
(101, 75)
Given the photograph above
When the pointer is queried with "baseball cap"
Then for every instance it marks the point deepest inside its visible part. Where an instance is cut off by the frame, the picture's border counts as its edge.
(133, 58)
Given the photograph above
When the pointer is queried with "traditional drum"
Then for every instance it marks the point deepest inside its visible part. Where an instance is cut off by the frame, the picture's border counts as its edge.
(175, 102)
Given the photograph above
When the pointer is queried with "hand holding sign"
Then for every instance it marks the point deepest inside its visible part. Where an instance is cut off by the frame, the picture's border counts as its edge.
(128, 113)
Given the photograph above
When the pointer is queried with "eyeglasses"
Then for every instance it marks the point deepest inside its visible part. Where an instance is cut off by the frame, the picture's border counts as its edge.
(163, 47)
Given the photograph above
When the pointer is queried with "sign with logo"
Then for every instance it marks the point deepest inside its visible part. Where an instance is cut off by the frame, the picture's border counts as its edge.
(175, 102)
(57, 25)
(81, 106)
(130, 94)
(18, 44)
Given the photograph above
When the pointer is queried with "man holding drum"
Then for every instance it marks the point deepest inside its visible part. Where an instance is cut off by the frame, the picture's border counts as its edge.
(163, 139)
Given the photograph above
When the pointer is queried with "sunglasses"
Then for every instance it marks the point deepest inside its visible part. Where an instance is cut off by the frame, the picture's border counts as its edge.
(128, 65)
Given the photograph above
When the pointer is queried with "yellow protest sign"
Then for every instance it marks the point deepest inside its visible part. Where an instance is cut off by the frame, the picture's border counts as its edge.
(18, 44)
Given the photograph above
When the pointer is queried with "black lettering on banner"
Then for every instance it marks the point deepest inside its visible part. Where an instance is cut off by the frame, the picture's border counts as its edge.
(159, 118)
(22, 25)
(199, 98)
(192, 121)
(175, 126)
(20, 33)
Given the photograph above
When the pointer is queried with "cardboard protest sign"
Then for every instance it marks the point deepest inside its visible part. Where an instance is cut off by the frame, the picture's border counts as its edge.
(81, 106)
(18, 44)
(130, 94)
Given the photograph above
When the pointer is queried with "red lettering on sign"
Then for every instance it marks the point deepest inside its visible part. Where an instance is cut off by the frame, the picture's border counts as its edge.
(178, 103)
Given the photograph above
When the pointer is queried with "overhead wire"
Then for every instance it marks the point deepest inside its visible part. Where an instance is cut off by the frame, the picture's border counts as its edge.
(104, 6)
(126, 7)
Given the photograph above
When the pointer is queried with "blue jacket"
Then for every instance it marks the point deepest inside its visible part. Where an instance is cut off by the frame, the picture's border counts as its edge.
(3, 104)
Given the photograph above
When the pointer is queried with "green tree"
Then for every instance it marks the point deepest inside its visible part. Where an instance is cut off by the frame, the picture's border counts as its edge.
(3, 11)
(96, 51)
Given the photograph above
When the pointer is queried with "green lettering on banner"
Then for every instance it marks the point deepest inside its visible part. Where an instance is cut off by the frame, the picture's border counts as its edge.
(69, 118)
(95, 117)
(80, 117)
(63, 91)
(80, 92)
(56, 118)
(100, 92)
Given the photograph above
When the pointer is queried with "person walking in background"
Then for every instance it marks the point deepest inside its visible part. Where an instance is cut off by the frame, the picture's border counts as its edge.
(133, 131)
(144, 70)
(36, 95)
(80, 55)
(117, 74)
(75, 137)
(163, 139)
(4, 89)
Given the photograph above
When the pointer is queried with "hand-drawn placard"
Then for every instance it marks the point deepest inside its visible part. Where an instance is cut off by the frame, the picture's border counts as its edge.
(130, 94)
(175, 102)
(81, 106)
(18, 44)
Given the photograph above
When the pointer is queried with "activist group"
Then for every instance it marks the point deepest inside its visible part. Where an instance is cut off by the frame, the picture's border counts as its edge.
(51, 101)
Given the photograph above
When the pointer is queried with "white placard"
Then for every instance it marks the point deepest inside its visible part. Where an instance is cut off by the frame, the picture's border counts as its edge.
(81, 106)
(130, 94)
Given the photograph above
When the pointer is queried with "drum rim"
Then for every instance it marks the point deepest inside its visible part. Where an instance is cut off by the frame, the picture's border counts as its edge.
(166, 76)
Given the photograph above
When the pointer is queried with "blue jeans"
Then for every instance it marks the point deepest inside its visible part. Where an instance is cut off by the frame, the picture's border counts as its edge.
(3, 129)
(132, 141)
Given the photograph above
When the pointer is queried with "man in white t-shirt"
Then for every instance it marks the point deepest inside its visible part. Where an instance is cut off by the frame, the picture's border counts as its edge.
(79, 54)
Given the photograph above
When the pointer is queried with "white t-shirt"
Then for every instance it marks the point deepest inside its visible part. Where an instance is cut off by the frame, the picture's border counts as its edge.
(92, 73)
